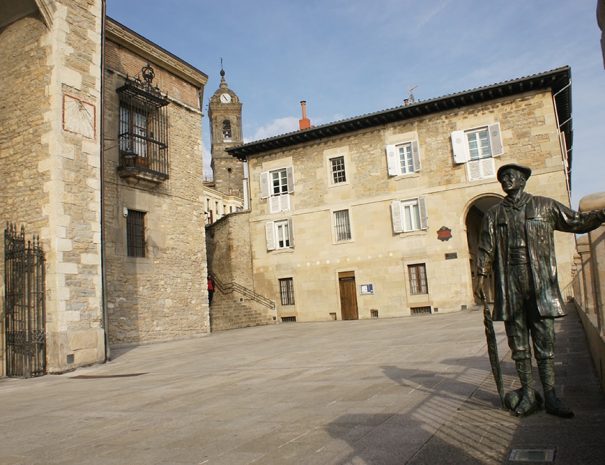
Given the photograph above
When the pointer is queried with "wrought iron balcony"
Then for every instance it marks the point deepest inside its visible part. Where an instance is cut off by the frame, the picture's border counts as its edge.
(143, 130)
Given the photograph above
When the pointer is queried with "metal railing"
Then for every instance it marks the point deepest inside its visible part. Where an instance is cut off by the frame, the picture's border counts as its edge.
(24, 304)
(227, 288)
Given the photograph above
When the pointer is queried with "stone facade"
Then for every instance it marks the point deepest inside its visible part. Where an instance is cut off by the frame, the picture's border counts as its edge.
(382, 261)
(161, 295)
(235, 303)
(57, 133)
(50, 68)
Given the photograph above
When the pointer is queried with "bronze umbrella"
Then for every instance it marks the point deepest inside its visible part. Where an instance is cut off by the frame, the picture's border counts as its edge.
(492, 350)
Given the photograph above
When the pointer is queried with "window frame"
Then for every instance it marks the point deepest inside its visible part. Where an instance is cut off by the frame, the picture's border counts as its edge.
(479, 164)
(417, 279)
(286, 291)
(398, 215)
(135, 234)
(335, 171)
(274, 234)
(337, 227)
(277, 195)
(394, 156)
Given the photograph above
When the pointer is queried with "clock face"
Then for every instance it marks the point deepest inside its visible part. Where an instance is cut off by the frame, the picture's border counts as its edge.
(225, 98)
(78, 116)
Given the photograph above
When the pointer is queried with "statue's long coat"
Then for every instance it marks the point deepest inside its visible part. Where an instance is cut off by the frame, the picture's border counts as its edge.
(542, 217)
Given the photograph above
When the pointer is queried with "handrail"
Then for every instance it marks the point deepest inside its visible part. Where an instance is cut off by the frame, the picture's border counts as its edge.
(233, 286)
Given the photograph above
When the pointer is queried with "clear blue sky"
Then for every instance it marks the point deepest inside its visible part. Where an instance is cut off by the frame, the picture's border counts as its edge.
(350, 57)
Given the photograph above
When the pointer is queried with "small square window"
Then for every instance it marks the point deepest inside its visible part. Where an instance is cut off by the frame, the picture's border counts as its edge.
(135, 233)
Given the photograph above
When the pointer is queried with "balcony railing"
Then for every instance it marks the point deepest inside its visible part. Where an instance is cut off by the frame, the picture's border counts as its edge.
(143, 129)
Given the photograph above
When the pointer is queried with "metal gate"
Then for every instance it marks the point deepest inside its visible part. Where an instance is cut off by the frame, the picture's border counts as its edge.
(24, 304)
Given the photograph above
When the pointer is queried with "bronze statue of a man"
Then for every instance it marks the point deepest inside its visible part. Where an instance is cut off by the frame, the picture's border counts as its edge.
(517, 244)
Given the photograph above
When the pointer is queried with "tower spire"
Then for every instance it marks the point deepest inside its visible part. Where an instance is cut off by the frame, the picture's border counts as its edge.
(223, 81)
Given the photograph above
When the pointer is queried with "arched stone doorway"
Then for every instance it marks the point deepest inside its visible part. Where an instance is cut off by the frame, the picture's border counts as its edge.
(474, 216)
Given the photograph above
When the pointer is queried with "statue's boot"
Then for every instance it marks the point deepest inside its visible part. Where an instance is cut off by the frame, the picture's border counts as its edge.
(552, 403)
(528, 403)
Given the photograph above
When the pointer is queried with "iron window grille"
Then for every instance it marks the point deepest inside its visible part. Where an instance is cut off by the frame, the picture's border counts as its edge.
(286, 291)
(135, 233)
(143, 128)
(342, 225)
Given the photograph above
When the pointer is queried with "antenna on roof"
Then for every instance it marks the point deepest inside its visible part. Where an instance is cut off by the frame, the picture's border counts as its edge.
(411, 97)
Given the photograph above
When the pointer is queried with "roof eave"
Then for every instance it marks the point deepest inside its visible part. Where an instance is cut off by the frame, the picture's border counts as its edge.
(556, 80)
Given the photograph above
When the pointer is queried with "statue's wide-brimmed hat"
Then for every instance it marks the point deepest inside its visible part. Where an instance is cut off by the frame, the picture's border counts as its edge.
(523, 169)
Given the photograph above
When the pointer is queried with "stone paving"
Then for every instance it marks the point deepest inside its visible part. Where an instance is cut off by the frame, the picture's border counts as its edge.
(414, 390)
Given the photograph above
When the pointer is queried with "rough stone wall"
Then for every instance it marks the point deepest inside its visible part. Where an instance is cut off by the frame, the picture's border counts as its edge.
(163, 295)
(228, 246)
(376, 254)
(230, 261)
(22, 125)
(53, 171)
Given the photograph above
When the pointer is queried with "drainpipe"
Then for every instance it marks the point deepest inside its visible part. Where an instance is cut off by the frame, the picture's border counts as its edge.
(102, 180)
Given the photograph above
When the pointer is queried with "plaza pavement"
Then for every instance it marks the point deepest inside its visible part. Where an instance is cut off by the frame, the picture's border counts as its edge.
(414, 390)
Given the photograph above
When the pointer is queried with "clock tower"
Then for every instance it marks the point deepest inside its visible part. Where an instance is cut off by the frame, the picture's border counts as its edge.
(225, 115)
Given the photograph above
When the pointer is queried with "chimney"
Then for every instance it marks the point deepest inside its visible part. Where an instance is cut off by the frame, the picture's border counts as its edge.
(304, 122)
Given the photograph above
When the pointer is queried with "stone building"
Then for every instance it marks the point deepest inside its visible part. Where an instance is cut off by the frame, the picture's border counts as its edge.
(100, 156)
(154, 204)
(378, 215)
(50, 145)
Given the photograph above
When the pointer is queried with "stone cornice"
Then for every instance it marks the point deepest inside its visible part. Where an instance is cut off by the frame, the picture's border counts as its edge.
(129, 39)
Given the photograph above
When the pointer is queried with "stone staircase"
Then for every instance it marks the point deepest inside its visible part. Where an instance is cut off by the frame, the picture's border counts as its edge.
(231, 309)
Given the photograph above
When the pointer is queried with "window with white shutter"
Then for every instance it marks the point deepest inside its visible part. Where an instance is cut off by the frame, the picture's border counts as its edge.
(279, 234)
(477, 147)
(403, 158)
(409, 215)
(276, 186)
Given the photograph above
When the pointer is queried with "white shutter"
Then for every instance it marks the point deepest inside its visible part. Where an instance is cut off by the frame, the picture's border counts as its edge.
(488, 168)
(392, 160)
(495, 139)
(473, 169)
(396, 216)
(275, 204)
(424, 219)
(270, 235)
(460, 147)
(284, 203)
(481, 169)
(290, 232)
(416, 156)
(290, 177)
(264, 185)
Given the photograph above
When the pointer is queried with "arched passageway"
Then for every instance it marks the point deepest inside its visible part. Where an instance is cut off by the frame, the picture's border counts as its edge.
(474, 217)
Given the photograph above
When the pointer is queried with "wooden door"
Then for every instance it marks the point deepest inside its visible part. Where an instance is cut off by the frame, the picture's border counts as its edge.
(348, 295)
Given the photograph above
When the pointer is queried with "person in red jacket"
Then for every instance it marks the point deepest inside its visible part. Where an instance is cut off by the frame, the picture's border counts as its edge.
(210, 290)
